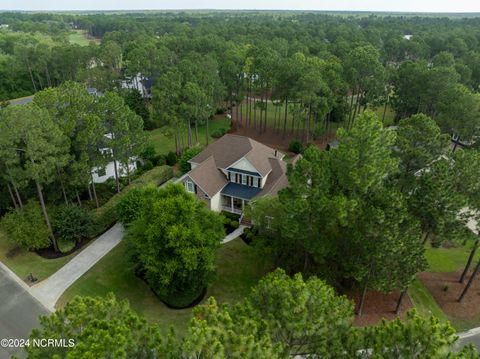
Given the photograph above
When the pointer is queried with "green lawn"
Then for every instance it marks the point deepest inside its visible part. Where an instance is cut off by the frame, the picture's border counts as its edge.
(442, 260)
(79, 37)
(238, 271)
(164, 144)
(23, 262)
(448, 259)
(389, 114)
(243, 110)
(424, 302)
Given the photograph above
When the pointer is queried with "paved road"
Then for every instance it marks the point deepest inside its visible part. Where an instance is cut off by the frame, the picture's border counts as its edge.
(49, 290)
(19, 310)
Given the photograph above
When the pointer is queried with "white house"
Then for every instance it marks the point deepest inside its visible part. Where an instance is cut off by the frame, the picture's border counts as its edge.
(102, 174)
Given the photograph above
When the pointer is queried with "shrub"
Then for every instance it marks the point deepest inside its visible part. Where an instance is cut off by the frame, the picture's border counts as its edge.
(295, 146)
(129, 206)
(26, 227)
(232, 216)
(187, 156)
(149, 153)
(249, 235)
(72, 223)
(106, 215)
(218, 132)
(174, 239)
(147, 166)
(230, 224)
(159, 161)
(171, 158)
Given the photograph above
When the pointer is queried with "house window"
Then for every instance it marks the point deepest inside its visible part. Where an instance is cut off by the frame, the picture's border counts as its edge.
(237, 178)
(102, 171)
(190, 187)
(268, 222)
(256, 182)
(244, 179)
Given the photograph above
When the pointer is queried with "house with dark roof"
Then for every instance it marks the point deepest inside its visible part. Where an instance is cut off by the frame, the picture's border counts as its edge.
(234, 170)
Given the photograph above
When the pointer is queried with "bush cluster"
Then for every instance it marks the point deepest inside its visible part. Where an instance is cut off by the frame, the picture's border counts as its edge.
(219, 132)
(295, 146)
(107, 215)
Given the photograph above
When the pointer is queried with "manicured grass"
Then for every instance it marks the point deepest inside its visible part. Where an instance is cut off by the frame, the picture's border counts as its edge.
(426, 305)
(464, 325)
(23, 262)
(448, 259)
(79, 37)
(423, 301)
(442, 260)
(389, 114)
(164, 144)
(256, 113)
(238, 270)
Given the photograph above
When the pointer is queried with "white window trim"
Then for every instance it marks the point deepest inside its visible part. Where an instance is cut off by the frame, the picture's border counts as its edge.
(189, 183)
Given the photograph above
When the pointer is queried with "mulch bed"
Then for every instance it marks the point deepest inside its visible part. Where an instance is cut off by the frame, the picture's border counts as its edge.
(380, 306)
(446, 289)
(49, 253)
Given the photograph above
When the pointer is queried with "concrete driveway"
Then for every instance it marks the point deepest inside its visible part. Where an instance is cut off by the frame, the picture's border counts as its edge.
(49, 290)
(19, 311)
(470, 337)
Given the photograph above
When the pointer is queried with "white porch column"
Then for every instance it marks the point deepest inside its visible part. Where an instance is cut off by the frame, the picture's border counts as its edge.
(243, 205)
(231, 202)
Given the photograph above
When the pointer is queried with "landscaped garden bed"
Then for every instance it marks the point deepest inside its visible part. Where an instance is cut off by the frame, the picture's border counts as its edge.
(380, 306)
(230, 222)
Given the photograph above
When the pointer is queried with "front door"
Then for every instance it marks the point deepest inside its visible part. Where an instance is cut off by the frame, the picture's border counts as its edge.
(237, 205)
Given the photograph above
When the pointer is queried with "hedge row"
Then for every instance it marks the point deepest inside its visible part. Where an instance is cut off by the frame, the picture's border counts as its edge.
(106, 215)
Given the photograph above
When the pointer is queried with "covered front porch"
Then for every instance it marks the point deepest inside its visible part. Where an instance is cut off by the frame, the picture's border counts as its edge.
(235, 197)
(233, 204)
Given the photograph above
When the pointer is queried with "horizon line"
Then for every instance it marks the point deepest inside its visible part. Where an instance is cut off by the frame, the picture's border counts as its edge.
(247, 9)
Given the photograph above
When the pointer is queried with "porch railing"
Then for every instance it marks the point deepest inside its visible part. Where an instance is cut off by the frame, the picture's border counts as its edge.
(229, 209)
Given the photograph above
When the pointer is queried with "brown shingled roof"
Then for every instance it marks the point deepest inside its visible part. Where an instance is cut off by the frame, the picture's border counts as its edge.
(277, 179)
(231, 148)
(208, 177)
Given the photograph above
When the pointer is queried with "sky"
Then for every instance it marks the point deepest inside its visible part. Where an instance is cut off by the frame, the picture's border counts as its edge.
(359, 5)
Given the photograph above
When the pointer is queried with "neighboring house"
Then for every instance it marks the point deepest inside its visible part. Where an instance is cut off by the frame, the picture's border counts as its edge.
(232, 171)
(103, 173)
(99, 174)
(140, 83)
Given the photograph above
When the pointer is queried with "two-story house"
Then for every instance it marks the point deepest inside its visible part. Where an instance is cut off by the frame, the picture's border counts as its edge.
(232, 171)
